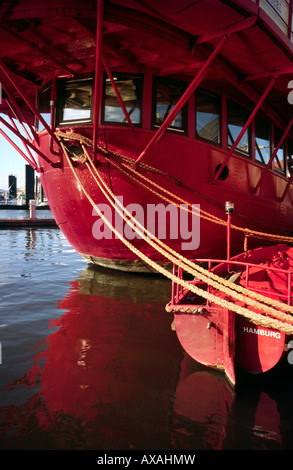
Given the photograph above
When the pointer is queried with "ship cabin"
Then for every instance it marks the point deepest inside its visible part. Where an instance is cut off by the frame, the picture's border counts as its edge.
(213, 74)
(144, 101)
(241, 104)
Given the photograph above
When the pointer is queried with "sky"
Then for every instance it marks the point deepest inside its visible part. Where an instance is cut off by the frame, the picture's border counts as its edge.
(11, 162)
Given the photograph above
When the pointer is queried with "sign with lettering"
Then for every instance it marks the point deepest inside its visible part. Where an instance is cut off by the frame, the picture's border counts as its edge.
(278, 11)
(258, 349)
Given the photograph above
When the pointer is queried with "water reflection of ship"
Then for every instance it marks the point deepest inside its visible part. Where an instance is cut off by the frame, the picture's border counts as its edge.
(118, 358)
(106, 372)
(132, 379)
(209, 414)
(203, 403)
(120, 285)
(111, 375)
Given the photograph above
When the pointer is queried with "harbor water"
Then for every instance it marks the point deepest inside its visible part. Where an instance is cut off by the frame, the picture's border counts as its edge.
(89, 362)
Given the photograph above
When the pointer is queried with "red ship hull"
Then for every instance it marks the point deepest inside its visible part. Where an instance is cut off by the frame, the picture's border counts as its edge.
(151, 116)
(74, 214)
(178, 89)
(246, 334)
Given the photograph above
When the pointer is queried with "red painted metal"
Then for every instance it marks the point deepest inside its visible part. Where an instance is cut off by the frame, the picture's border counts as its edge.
(234, 28)
(224, 340)
(258, 349)
(236, 49)
(25, 142)
(228, 236)
(274, 153)
(31, 157)
(288, 186)
(13, 144)
(35, 48)
(98, 73)
(15, 114)
(117, 93)
(144, 40)
(245, 127)
(15, 109)
(26, 99)
(208, 338)
(64, 194)
(53, 104)
(183, 100)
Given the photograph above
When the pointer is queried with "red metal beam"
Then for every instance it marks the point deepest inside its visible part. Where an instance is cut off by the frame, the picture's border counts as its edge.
(11, 142)
(245, 127)
(273, 155)
(27, 101)
(31, 157)
(233, 28)
(36, 48)
(290, 19)
(21, 121)
(25, 141)
(18, 113)
(269, 74)
(98, 73)
(183, 100)
(281, 199)
(117, 93)
(53, 102)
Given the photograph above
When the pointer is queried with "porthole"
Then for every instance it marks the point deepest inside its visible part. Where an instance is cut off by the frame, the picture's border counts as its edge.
(224, 173)
(76, 152)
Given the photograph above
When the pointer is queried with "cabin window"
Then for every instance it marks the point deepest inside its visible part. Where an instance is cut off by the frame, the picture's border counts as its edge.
(208, 116)
(44, 98)
(167, 93)
(279, 160)
(75, 101)
(262, 141)
(290, 156)
(237, 117)
(130, 90)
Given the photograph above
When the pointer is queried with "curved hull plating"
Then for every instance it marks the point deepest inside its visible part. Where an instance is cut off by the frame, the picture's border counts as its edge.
(72, 198)
(198, 95)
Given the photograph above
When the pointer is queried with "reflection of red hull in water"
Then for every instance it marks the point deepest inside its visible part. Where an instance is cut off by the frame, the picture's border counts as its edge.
(210, 410)
(104, 347)
(204, 399)
(103, 379)
(177, 91)
(246, 330)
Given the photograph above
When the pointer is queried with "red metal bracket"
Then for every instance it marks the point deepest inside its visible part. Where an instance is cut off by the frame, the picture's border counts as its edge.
(245, 127)
(184, 98)
(254, 190)
(9, 76)
(24, 140)
(98, 74)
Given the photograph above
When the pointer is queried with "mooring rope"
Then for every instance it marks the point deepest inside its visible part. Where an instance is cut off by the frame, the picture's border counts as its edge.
(129, 163)
(191, 264)
(187, 265)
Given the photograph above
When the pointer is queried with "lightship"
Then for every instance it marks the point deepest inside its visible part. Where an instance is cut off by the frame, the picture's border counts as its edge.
(126, 106)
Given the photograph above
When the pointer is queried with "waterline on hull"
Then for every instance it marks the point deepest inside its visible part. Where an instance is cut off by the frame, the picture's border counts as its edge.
(135, 266)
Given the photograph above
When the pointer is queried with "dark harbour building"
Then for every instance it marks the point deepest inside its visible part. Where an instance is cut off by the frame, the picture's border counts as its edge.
(12, 185)
(29, 184)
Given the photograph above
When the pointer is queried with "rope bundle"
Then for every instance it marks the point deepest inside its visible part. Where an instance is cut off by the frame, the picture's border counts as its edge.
(272, 313)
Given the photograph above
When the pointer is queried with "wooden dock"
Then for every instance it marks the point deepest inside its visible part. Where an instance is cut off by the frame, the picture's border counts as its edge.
(27, 222)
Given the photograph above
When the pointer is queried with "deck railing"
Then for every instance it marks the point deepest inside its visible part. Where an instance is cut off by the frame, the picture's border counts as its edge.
(280, 287)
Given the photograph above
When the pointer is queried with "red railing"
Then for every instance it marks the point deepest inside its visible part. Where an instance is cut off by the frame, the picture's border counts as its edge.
(282, 292)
